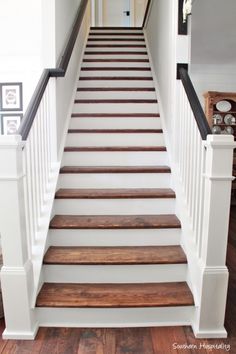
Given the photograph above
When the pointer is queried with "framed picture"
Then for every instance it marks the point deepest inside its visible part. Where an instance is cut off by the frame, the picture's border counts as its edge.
(10, 123)
(11, 96)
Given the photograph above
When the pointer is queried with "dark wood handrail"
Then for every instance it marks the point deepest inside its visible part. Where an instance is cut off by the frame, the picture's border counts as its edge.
(195, 104)
(60, 71)
(146, 13)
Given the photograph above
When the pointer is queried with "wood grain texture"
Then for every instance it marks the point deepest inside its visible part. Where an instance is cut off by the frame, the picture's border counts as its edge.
(115, 169)
(115, 131)
(116, 78)
(115, 222)
(115, 68)
(133, 193)
(116, 89)
(113, 148)
(115, 101)
(115, 295)
(115, 115)
(115, 255)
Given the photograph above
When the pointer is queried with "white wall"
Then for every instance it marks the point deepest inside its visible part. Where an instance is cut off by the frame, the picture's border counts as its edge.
(20, 43)
(213, 53)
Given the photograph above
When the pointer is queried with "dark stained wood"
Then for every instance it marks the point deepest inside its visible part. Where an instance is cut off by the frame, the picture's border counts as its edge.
(131, 29)
(115, 222)
(115, 89)
(115, 169)
(114, 101)
(113, 148)
(116, 34)
(115, 68)
(115, 46)
(115, 53)
(116, 39)
(114, 193)
(164, 338)
(116, 78)
(115, 115)
(115, 295)
(116, 60)
(115, 255)
(115, 131)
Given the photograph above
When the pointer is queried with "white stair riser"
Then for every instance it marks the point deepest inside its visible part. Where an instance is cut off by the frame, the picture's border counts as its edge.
(112, 238)
(118, 95)
(116, 83)
(114, 206)
(114, 273)
(113, 139)
(115, 107)
(115, 318)
(120, 180)
(103, 73)
(115, 158)
(119, 64)
(115, 123)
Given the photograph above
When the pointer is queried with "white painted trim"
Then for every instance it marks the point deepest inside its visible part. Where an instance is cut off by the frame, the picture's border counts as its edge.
(20, 335)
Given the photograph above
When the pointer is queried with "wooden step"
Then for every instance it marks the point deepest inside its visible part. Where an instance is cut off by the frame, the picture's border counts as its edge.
(115, 193)
(115, 295)
(116, 34)
(115, 222)
(114, 101)
(115, 131)
(114, 68)
(116, 78)
(116, 60)
(115, 115)
(115, 53)
(114, 169)
(95, 28)
(115, 46)
(116, 39)
(116, 89)
(115, 255)
(113, 148)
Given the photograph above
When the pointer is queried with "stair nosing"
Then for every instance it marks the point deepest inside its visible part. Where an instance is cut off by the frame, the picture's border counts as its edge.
(115, 148)
(114, 169)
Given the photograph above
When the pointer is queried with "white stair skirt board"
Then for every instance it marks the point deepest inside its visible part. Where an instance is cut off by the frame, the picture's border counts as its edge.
(116, 95)
(114, 273)
(115, 139)
(116, 108)
(104, 73)
(115, 123)
(137, 237)
(119, 180)
(118, 317)
(117, 83)
(114, 206)
(115, 158)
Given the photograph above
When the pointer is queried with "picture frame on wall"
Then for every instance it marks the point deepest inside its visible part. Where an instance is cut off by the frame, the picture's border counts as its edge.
(10, 123)
(11, 96)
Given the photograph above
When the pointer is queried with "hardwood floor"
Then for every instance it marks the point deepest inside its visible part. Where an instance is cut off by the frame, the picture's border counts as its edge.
(135, 340)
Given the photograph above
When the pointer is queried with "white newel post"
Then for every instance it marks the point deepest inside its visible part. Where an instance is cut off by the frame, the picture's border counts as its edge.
(17, 274)
(210, 314)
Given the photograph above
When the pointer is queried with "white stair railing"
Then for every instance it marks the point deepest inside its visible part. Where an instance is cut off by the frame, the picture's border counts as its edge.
(203, 171)
(29, 169)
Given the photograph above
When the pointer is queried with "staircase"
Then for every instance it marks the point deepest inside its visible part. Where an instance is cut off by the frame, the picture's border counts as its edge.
(114, 256)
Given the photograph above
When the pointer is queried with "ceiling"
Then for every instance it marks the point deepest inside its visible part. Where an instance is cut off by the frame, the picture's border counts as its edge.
(214, 32)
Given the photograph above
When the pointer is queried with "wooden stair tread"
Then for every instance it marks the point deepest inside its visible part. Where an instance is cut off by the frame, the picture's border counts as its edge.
(115, 115)
(115, 169)
(116, 39)
(116, 34)
(115, 295)
(115, 46)
(114, 222)
(115, 255)
(116, 78)
(115, 53)
(100, 60)
(113, 148)
(111, 68)
(115, 131)
(109, 101)
(142, 89)
(114, 193)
